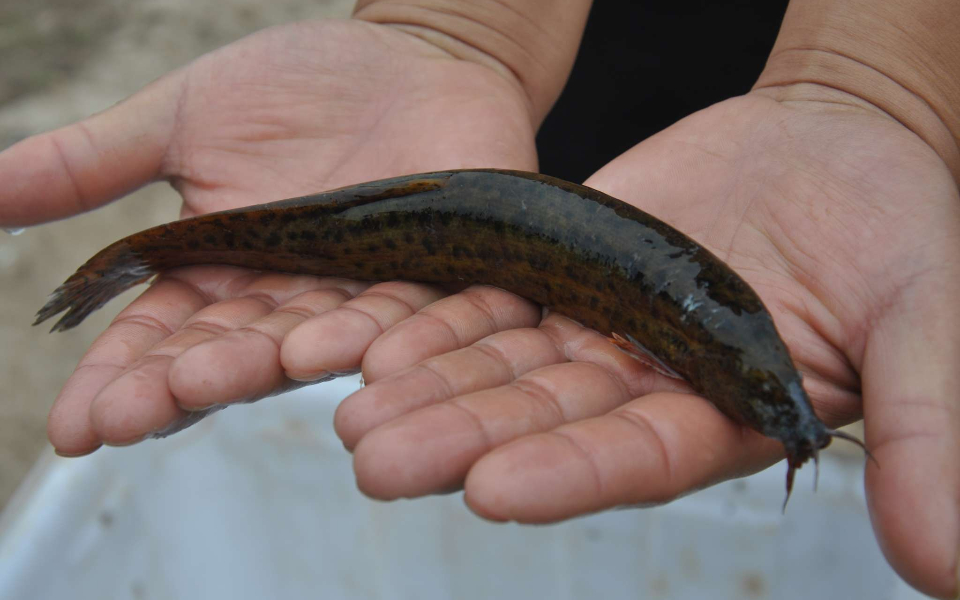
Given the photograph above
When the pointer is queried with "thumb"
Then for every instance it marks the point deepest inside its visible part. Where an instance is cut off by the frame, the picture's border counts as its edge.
(911, 378)
(87, 164)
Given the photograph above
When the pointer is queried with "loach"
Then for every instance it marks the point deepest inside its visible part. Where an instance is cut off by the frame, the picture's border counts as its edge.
(612, 267)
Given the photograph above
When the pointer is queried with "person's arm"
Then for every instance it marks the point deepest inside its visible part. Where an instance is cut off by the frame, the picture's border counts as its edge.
(531, 42)
(901, 60)
(900, 56)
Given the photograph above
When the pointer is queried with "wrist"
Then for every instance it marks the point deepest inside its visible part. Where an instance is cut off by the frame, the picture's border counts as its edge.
(532, 43)
(900, 59)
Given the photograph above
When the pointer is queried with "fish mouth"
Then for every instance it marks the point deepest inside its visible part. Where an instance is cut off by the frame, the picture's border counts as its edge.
(805, 448)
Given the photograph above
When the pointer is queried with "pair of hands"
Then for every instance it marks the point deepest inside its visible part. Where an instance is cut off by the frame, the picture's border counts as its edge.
(845, 222)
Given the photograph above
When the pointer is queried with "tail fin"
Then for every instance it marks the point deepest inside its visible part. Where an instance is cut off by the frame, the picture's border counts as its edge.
(112, 271)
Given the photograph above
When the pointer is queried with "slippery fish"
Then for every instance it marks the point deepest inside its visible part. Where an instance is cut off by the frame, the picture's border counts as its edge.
(614, 268)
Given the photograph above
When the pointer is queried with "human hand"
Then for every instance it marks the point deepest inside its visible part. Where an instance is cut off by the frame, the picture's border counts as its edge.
(287, 111)
(848, 226)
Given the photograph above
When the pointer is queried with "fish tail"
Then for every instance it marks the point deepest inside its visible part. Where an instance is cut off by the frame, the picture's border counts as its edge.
(106, 275)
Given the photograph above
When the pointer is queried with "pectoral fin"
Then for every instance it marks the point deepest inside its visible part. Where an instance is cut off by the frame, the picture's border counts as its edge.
(640, 352)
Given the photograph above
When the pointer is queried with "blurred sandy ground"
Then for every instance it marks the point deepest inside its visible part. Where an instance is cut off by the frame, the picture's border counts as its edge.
(61, 60)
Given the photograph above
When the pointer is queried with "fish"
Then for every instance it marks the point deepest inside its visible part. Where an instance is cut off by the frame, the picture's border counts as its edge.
(658, 294)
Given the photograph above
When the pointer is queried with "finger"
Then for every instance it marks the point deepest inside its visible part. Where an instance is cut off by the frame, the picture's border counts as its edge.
(912, 424)
(431, 450)
(433, 444)
(82, 166)
(649, 451)
(138, 402)
(454, 322)
(493, 361)
(238, 297)
(158, 312)
(336, 340)
(244, 364)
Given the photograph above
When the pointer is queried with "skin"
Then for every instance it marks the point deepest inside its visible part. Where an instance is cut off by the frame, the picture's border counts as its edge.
(845, 220)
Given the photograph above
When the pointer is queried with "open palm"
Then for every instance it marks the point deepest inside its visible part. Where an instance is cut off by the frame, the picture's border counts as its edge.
(847, 225)
(285, 112)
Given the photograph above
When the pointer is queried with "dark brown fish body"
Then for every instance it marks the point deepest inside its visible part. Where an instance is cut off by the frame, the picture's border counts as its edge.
(586, 255)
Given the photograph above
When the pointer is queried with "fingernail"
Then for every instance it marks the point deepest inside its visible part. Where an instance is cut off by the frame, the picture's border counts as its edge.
(198, 409)
(125, 443)
(188, 420)
(320, 377)
(14, 230)
(323, 376)
(74, 454)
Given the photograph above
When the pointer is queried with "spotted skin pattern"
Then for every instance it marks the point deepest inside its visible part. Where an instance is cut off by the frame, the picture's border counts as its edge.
(586, 255)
